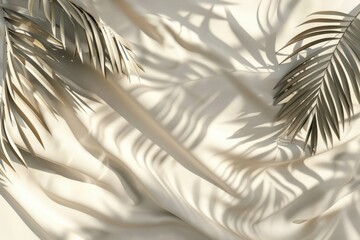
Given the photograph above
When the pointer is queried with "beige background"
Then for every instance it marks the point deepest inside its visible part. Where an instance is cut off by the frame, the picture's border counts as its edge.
(210, 67)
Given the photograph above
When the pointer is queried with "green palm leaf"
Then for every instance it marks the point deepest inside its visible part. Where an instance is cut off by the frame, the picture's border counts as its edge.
(318, 93)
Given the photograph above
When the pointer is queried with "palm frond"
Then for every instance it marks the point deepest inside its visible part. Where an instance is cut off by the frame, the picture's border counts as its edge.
(318, 94)
(79, 32)
(30, 85)
(104, 47)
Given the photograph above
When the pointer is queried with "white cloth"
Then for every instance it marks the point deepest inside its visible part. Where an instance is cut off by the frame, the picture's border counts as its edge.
(210, 68)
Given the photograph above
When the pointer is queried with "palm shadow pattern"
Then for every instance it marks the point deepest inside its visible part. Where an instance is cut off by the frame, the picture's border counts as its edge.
(67, 108)
(276, 165)
(193, 90)
(276, 160)
(279, 162)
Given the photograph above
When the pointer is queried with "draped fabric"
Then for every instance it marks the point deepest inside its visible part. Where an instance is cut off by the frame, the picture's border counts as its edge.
(191, 148)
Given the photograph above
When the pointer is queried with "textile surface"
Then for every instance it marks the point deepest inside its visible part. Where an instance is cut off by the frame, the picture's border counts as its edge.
(209, 72)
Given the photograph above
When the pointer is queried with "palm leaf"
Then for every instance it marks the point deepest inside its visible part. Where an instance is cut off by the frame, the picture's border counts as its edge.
(30, 85)
(81, 33)
(318, 94)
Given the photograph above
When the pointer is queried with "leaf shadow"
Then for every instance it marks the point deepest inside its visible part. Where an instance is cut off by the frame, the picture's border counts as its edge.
(199, 100)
